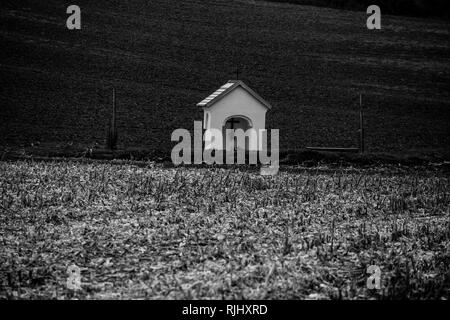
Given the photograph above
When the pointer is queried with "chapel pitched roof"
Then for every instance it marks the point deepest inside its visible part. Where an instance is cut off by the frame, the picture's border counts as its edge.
(227, 88)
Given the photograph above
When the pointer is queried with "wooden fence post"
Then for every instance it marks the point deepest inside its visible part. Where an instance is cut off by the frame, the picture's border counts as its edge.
(361, 125)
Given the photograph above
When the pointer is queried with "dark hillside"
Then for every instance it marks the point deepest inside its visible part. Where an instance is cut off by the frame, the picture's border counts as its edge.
(420, 8)
(163, 57)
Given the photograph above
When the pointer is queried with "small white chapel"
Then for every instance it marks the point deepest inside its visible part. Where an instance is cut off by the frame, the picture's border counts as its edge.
(234, 106)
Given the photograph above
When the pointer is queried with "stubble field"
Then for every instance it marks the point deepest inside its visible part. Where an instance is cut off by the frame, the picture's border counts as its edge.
(177, 233)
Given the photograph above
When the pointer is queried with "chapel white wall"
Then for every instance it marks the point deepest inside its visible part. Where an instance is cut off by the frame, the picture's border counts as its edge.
(238, 103)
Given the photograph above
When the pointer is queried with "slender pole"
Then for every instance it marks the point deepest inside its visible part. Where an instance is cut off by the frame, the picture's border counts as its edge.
(361, 125)
(114, 110)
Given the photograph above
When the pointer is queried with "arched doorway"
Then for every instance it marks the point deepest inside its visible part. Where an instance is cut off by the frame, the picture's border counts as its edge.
(234, 123)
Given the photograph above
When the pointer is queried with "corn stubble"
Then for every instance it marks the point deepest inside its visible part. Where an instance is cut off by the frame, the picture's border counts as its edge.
(189, 233)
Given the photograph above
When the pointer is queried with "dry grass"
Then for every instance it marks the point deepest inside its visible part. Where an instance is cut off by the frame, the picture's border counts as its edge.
(213, 233)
